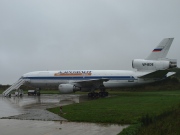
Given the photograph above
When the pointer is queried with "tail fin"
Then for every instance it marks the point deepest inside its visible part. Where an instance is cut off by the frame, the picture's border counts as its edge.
(161, 50)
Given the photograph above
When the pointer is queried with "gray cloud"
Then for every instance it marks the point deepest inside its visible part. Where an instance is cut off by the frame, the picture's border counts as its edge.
(91, 34)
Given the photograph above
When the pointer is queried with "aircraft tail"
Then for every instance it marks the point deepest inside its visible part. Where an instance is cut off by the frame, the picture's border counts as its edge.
(161, 50)
(157, 59)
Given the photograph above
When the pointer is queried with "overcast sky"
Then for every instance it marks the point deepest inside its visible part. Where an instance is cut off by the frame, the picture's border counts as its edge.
(82, 34)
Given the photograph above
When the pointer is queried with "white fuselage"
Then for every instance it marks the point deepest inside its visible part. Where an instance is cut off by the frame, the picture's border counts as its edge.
(116, 78)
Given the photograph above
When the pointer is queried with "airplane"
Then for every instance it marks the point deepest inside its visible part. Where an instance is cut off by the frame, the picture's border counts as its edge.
(155, 67)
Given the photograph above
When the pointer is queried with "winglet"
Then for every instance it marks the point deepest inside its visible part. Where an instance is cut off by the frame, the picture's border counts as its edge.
(161, 50)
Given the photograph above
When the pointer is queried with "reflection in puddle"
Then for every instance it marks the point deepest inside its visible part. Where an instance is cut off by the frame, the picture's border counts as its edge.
(55, 99)
(18, 105)
(9, 109)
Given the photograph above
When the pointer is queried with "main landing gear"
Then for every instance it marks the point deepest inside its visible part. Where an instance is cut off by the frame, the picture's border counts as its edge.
(96, 95)
(102, 92)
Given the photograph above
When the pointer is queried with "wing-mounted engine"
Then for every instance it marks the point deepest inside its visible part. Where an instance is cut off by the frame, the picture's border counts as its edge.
(68, 88)
(82, 85)
(153, 65)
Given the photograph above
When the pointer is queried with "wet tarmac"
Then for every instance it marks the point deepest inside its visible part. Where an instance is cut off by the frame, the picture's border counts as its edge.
(18, 115)
(30, 127)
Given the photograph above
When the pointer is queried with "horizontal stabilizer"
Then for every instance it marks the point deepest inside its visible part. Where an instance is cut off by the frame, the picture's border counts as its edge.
(170, 74)
(158, 74)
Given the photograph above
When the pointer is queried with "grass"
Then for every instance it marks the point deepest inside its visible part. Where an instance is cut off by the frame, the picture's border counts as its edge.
(1, 91)
(156, 112)
(124, 108)
(168, 125)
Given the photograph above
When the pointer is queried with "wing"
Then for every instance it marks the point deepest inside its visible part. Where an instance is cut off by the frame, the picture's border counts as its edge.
(158, 74)
(90, 83)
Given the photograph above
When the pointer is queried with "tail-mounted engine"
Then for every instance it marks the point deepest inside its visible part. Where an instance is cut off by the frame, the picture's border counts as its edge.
(141, 64)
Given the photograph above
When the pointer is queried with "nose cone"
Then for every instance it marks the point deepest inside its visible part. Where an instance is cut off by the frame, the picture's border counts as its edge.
(24, 76)
(30, 74)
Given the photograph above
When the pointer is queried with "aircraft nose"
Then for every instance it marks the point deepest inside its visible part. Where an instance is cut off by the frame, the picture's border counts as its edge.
(24, 76)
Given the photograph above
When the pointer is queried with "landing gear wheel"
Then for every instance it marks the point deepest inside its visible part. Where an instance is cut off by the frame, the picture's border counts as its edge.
(106, 94)
(100, 94)
(93, 95)
(89, 95)
(103, 94)
(38, 93)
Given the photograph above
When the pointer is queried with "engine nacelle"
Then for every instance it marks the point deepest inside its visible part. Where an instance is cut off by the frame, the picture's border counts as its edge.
(67, 88)
(173, 63)
(141, 64)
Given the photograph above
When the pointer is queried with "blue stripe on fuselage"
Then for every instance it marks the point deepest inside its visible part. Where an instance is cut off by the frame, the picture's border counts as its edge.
(82, 78)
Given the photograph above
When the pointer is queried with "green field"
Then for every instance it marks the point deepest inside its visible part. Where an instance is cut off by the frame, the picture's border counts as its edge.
(124, 108)
(168, 125)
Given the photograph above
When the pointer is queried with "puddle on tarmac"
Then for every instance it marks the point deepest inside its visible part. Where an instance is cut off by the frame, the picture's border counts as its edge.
(43, 101)
(7, 108)
(32, 127)
(33, 107)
